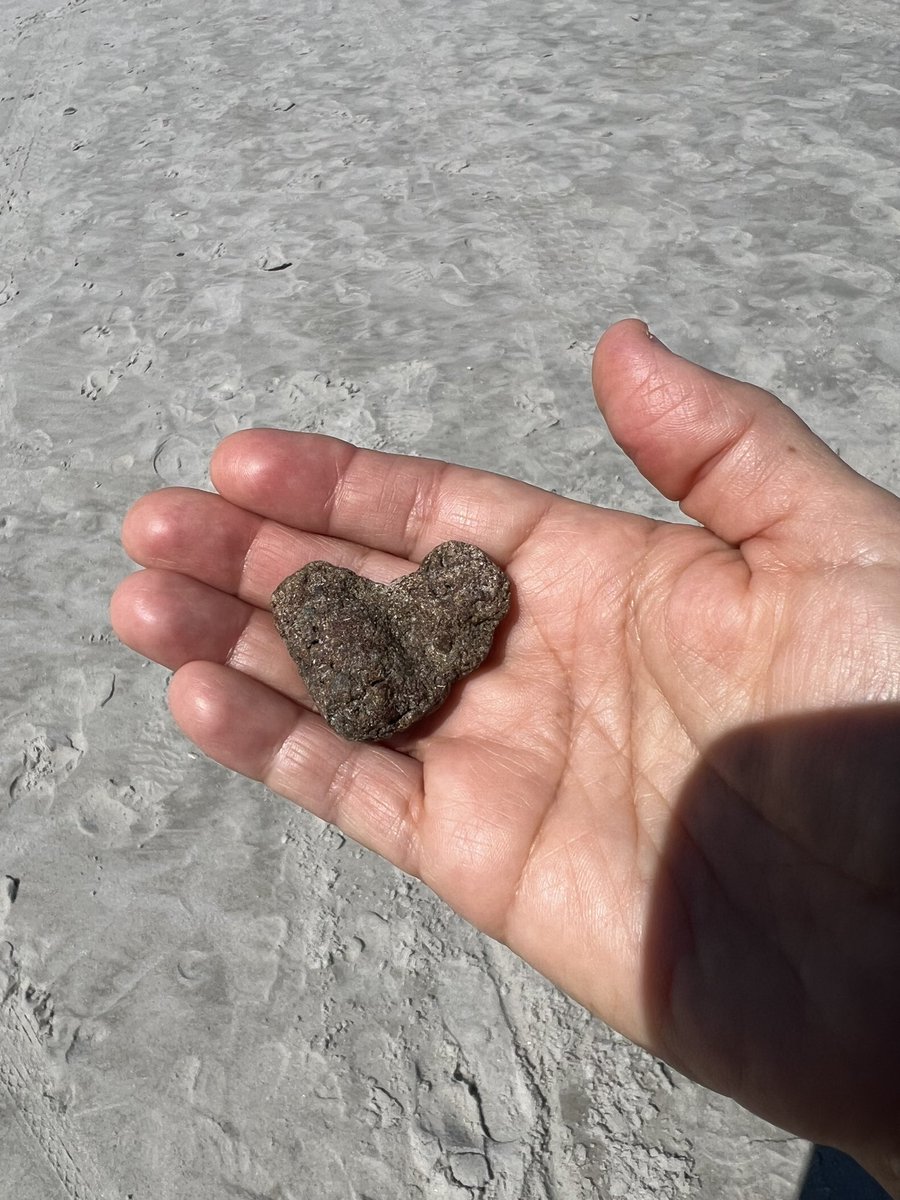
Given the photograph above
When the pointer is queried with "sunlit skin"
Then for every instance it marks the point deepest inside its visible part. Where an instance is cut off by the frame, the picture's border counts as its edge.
(652, 790)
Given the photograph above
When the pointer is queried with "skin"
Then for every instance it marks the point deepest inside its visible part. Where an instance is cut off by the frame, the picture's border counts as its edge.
(673, 787)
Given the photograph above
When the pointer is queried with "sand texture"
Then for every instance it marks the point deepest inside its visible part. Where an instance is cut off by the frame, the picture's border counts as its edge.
(404, 224)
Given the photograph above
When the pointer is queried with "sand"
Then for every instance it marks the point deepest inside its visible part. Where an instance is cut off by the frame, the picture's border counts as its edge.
(404, 224)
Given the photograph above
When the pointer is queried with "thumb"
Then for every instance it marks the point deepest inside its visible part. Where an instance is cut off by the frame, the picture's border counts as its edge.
(735, 458)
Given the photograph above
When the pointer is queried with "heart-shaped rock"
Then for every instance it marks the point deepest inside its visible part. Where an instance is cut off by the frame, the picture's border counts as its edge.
(378, 657)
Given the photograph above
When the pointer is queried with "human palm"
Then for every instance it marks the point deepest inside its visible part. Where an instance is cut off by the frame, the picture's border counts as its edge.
(676, 775)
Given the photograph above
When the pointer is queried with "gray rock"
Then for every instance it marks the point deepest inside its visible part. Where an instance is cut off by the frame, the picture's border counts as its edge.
(375, 657)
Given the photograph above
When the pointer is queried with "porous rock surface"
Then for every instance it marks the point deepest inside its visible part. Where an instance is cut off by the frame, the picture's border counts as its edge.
(378, 657)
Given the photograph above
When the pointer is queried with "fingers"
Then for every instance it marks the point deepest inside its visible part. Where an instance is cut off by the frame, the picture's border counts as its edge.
(176, 620)
(371, 793)
(173, 619)
(395, 503)
(236, 551)
(211, 568)
(738, 460)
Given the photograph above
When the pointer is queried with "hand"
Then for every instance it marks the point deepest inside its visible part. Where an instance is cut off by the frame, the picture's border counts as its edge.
(674, 786)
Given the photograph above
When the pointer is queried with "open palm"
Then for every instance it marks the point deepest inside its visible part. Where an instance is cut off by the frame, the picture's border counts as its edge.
(670, 782)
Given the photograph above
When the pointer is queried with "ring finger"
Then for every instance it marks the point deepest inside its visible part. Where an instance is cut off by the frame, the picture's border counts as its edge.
(175, 619)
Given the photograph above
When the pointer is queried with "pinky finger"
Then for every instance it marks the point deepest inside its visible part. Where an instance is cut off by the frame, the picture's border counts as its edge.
(371, 793)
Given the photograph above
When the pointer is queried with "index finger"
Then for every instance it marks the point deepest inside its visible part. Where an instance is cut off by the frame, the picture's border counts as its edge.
(393, 502)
